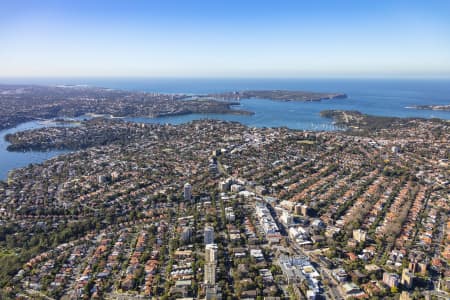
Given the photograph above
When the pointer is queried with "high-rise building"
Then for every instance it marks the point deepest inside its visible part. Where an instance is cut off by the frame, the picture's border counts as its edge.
(390, 279)
(210, 274)
(209, 235)
(407, 279)
(298, 209)
(211, 253)
(286, 218)
(187, 192)
(304, 210)
(418, 267)
(186, 234)
(210, 264)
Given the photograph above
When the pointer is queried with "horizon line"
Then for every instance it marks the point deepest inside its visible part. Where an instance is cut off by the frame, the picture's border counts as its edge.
(399, 77)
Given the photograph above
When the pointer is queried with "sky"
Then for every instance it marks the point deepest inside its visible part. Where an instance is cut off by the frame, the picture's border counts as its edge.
(215, 38)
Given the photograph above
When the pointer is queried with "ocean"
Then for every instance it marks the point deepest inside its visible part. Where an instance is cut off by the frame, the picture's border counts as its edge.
(372, 96)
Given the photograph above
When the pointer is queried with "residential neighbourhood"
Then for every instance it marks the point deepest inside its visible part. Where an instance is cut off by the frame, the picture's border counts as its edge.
(312, 215)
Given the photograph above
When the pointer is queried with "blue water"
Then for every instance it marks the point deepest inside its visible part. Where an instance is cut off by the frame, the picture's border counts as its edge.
(267, 114)
(13, 160)
(377, 97)
(372, 96)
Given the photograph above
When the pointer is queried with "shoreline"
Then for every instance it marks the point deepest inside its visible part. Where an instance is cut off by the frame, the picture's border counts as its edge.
(430, 107)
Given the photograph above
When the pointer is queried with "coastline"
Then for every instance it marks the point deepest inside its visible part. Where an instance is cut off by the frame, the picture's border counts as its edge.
(430, 107)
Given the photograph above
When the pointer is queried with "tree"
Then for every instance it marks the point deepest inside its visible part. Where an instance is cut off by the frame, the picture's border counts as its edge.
(394, 290)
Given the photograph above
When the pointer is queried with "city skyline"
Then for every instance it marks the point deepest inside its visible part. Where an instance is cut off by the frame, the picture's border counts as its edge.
(203, 39)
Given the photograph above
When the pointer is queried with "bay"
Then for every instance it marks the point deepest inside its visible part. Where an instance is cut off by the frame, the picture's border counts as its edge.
(372, 96)
(11, 160)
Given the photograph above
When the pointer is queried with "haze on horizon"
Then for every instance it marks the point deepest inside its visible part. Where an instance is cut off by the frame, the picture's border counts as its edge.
(332, 38)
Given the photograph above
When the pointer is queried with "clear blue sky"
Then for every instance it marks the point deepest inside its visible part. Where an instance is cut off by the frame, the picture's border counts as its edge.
(191, 38)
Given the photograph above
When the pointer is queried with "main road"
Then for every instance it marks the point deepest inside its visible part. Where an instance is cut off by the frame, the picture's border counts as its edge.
(324, 272)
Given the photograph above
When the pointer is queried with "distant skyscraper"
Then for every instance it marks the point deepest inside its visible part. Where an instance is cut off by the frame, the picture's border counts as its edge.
(209, 235)
(187, 191)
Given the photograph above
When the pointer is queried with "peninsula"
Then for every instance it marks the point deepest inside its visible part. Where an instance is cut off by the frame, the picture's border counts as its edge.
(431, 107)
(89, 133)
(278, 95)
(356, 121)
(23, 103)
